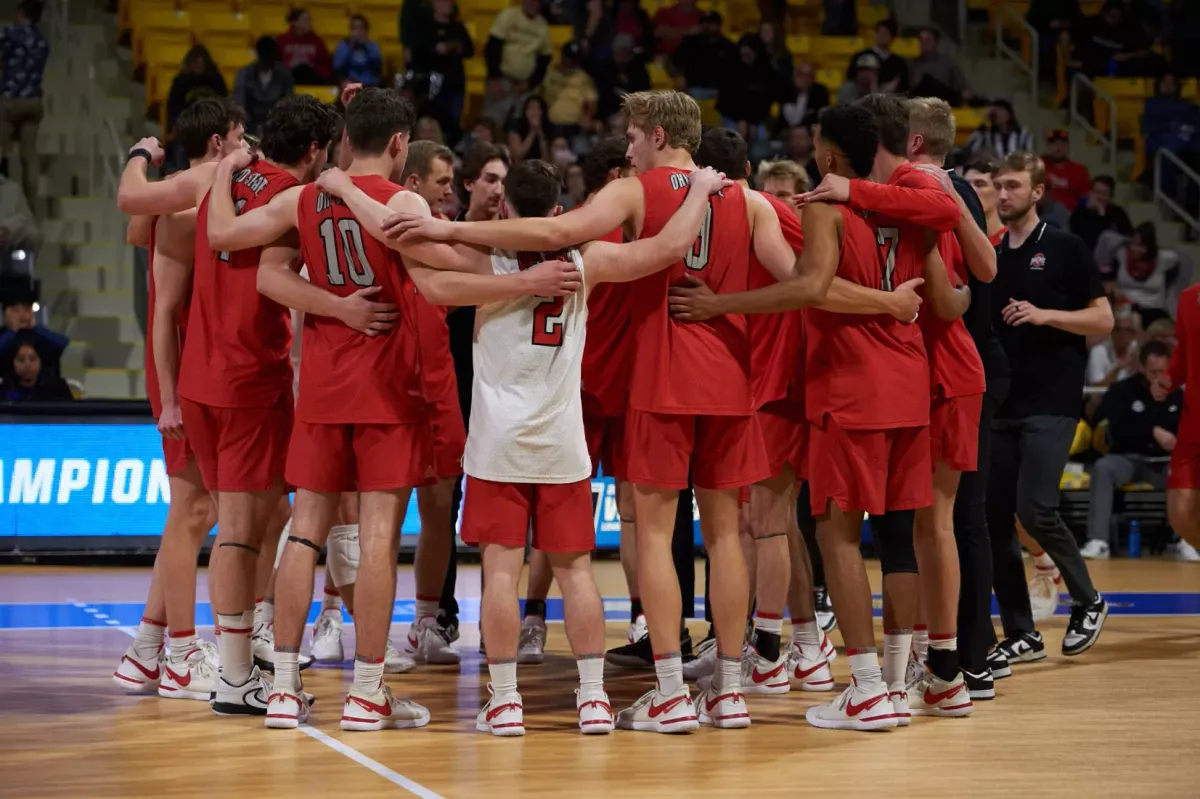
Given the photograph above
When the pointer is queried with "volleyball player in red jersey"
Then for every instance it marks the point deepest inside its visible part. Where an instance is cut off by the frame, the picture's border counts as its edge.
(1183, 474)
(690, 405)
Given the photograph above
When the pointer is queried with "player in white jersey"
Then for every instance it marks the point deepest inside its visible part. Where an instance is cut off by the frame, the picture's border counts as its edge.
(527, 462)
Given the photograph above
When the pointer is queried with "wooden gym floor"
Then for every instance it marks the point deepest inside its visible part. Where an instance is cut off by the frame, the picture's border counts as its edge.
(1122, 720)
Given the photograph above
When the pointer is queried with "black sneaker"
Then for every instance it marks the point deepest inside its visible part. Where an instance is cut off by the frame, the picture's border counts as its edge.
(981, 685)
(825, 618)
(1025, 648)
(1084, 627)
(640, 655)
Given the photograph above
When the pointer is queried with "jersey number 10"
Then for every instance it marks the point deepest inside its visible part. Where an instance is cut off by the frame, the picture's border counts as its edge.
(888, 238)
(345, 235)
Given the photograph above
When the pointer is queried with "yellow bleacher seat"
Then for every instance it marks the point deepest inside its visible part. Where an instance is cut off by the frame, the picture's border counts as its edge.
(332, 41)
(233, 57)
(838, 48)
(326, 94)
(831, 79)
(229, 73)
(393, 56)
(659, 78)
(384, 22)
(266, 20)
(1083, 438)
(966, 120)
(907, 48)
(1130, 95)
(560, 35)
(1191, 89)
(708, 113)
(475, 31)
(165, 55)
(195, 7)
(477, 8)
(799, 46)
(157, 23)
(321, 6)
(221, 30)
(869, 16)
(330, 22)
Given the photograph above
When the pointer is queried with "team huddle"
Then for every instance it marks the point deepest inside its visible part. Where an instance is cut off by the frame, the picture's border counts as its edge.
(678, 329)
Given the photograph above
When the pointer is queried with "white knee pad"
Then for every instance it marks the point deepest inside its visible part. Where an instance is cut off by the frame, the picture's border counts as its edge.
(342, 554)
(283, 537)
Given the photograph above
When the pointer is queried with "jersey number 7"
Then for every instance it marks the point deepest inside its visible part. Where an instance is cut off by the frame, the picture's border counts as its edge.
(345, 235)
(888, 238)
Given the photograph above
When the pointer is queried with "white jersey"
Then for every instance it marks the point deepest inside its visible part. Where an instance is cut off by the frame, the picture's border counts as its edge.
(526, 412)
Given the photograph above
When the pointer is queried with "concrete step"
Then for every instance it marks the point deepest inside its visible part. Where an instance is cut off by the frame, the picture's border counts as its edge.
(83, 355)
(101, 303)
(101, 328)
(82, 278)
(113, 383)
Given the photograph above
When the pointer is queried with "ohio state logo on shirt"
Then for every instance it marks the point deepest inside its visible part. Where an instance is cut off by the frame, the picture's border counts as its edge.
(1038, 261)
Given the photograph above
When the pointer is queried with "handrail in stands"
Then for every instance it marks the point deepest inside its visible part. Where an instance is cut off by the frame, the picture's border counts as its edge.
(1079, 84)
(1161, 195)
(1016, 56)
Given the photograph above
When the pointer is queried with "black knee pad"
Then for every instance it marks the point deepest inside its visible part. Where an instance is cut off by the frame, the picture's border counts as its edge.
(893, 533)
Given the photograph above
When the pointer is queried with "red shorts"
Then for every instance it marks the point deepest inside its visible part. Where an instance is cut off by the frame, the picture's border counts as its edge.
(559, 514)
(239, 449)
(1183, 473)
(785, 437)
(954, 432)
(870, 470)
(606, 443)
(719, 451)
(177, 455)
(449, 436)
(359, 457)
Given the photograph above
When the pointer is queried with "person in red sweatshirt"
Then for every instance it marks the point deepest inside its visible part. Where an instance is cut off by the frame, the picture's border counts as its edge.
(1067, 181)
(1183, 475)
(304, 52)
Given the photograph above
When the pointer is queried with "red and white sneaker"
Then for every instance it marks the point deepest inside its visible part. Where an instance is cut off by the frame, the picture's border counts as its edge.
(655, 711)
(137, 676)
(426, 643)
(812, 673)
(900, 707)
(855, 709)
(595, 713)
(1043, 591)
(370, 712)
(723, 708)
(933, 697)
(191, 678)
(395, 661)
(287, 710)
(504, 716)
(827, 649)
(762, 676)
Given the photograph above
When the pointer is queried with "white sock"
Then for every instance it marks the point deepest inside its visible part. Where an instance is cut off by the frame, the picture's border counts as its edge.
(148, 641)
(591, 673)
(897, 644)
(669, 670)
(1043, 561)
(504, 677)
(233, 645)
(368, 675)
(182, 644)
(864, 666)
(729, 673)
(426, 608)
(264, 611)
(805, 632)
(920, 642)
(769, 624)
(332, 601)
(287, 671)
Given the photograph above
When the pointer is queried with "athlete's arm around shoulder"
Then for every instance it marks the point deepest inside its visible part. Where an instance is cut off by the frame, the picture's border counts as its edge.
(767, 239)
(948, 302)
(137, 232)
(230, 231)
(172, 264)
(137, 195)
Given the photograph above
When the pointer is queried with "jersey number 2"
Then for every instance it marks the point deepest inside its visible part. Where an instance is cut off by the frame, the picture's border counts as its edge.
(697, 257)
(548, 323)
(888, 238)
(345, 235)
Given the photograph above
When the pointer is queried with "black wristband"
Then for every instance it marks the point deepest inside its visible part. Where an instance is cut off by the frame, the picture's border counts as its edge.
(142, 152)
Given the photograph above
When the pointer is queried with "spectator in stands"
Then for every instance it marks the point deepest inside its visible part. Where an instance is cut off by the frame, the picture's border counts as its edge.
(198, 77)
(1162, 330)
(630, 18)
(841, 18)
(528, 136)
(863, 78)
(1170, 122)
(20, 321)
(357, 58)
(936, 74)
(1067, 181)
(778, 55)
(1115, 357)
(571, 94)
(747, 90)
(442, 50)
(1052, 212)
(672, 24)
(22, 377)
(303, 51)
(1141, 435)
(23, 53)
(1098, 213)
(1001, 135)
(1147, 275)
(1110, 44)
(1053, 20)
(574, 190)
(624, 72)
(479, 184)
(704, 58)
(260, 85)
(486, 131)
(518, 54)
(783, 179)
(893, 70)
(428, 129)
(414, 20)
(800, 150)
(805, 99)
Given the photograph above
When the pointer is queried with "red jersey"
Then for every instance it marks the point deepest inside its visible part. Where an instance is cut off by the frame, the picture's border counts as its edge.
(867, 372)
(239, 353)
(955, 368)
(692, 368)
(998, 236)
(181, 321)
(1185, 362)
(1067, 181)
(346, 377)
(775, 338)
(608, 349)
(437, 367)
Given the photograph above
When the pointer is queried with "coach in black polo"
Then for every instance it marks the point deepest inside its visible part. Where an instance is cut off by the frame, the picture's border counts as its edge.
(1046, 299)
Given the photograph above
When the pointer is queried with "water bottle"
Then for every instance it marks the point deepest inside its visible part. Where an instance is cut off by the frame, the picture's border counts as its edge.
(1135, 539)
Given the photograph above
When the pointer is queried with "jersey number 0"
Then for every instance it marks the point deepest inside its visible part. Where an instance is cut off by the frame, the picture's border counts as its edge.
(697, 257)
(345, 235)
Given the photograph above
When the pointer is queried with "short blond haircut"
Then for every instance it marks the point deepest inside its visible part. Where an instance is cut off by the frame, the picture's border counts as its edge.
(783, 170)
(675, 112)
(1025, 161)
(933, 120)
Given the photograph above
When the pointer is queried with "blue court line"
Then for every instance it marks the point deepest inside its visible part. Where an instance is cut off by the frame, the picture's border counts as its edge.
(80, 614)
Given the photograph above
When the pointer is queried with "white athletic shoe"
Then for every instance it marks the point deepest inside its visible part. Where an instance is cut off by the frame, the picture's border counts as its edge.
(762, 676)
(395, 661)
(426, 642)
(1186, 552)
(193, 677)
(705, 662)
(810, 670)
(637, 628)
(263, 646)
(1095, 550)
(327, 638)
(655, 711)
(595, 712)
(1043, 591)
(827, 649)
(375, 711)
(533, 642)
(722, 708)
(248, 699)
(503, 716)
(933, 697)
(137, 676)
(855, 709)
(211, 653)
(914, 671)
(900, 707)
(286, 710)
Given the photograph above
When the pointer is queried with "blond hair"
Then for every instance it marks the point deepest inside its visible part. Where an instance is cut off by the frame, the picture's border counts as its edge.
(933, 120)
(1025, 161)
(783, 170)
(675, 112)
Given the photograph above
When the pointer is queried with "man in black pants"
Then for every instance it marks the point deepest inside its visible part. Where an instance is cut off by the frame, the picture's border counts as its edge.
(1048, 298)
